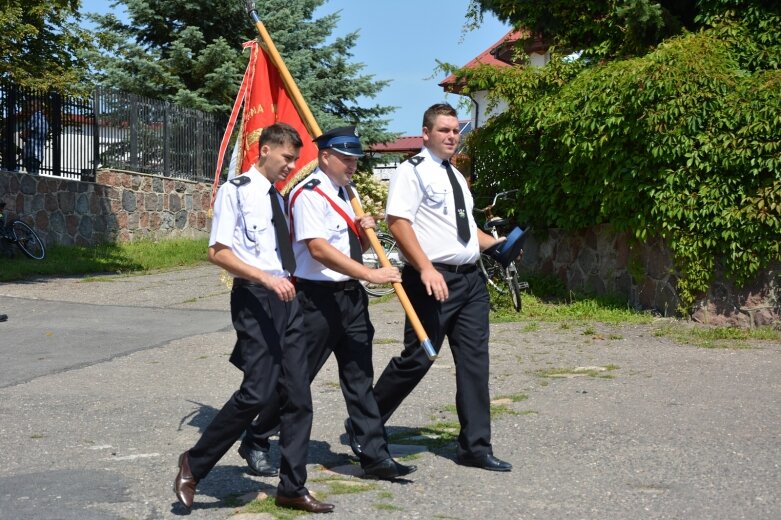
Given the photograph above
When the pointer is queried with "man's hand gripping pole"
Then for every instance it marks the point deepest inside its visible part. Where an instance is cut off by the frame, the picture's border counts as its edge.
(412, 316)
(314, 131)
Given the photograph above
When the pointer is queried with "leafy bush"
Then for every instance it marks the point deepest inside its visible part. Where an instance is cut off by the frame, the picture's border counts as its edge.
(682, 143)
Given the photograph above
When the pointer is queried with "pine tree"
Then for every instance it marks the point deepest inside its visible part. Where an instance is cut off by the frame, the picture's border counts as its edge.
(190, 52)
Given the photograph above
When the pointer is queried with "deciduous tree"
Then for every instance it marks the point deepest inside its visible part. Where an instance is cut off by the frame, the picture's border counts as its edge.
(679, 142)
(42, 45)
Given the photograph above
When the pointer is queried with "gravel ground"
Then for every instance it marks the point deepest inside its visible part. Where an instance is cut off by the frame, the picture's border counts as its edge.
(104, 382)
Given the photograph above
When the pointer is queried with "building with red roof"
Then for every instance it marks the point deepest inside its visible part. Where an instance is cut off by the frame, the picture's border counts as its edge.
(503, 53)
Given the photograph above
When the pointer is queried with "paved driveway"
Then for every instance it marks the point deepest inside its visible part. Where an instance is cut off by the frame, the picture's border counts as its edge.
(105, 382)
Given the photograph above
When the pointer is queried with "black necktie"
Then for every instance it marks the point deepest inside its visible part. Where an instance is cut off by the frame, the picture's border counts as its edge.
(283, 235)
(356, 251)
(462, 222)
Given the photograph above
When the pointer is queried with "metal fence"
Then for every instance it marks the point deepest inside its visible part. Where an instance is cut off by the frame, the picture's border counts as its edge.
(46, 133)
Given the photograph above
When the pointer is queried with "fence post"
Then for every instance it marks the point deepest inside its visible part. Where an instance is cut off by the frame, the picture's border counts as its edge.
(133, 106)
(9, 110)
(199, 147)
(55, 112)
(95, 130)
(166, 151)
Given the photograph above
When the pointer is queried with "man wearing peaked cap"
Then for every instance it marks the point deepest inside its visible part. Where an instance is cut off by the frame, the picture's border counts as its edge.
(329, 244)
(343, 139)
(250, 239)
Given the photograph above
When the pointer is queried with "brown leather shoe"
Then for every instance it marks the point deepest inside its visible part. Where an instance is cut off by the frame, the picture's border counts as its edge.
(184, 485)
(306, 503)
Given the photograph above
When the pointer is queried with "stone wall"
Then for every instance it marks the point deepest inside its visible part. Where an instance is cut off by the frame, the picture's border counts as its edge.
(119, 206)
(603, 262)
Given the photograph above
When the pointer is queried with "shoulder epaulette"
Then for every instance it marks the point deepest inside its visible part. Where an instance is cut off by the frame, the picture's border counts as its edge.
(312, 184)
(416, 160)
(241, 180)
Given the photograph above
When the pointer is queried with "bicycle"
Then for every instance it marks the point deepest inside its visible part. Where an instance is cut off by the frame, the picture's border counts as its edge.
(17, 232)
(371, 260)
(502, 279)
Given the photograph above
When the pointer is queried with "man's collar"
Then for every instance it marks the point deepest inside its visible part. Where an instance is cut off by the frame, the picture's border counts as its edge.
(256, 174)
(327, 181)
(434, 157)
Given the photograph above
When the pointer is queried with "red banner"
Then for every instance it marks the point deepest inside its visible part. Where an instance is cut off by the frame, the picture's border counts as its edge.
(265, 101)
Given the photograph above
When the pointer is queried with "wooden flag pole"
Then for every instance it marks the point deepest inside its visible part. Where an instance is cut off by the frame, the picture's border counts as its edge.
(287, 79)
(314, 130)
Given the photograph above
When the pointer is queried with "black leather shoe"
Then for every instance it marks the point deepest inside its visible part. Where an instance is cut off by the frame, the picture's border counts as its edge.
(387, 469)
(306, 503)
(354, 444)
(259, 461)
(487, 461)
(184, 484)
(3, 317)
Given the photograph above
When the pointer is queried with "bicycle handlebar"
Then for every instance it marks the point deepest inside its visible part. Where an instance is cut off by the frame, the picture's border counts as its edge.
(500, 195)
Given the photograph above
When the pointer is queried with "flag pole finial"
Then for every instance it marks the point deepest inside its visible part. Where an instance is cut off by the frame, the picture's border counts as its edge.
(253, 13)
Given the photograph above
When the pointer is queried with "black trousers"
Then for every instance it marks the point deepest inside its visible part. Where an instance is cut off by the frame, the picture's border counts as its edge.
(337, 320)
(270, 351)
(463, 319)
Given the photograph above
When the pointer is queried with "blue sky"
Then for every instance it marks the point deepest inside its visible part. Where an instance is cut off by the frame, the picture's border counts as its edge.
(401, 40)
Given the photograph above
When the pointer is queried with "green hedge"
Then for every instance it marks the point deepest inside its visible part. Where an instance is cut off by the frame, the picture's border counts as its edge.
(682, 143)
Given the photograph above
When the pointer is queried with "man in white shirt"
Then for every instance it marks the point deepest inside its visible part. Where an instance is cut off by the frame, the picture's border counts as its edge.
(429, 212)
(250, 240)
(329, 242)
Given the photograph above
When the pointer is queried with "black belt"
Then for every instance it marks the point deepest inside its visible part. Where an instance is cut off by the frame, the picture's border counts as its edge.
(347, 285)
(243, 282)
(450, 268)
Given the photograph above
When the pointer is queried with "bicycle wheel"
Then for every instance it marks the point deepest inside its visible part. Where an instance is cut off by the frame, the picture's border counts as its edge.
(515, 289)
(494, 273)
(371, 260)
(27, 240)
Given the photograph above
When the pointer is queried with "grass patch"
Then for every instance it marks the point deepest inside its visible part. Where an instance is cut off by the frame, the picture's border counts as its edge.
(382, 299)
(408, 458)
(565, 309)
(382, 506)
(450, 408)
(589, 331)
(716, 337)
(267, 506)
(385, 341)
(516, 398)
(602, 372)
(434, 436)
(342, 486)
(531, 327)
(121, 258)
(497, 410)
(346, 487)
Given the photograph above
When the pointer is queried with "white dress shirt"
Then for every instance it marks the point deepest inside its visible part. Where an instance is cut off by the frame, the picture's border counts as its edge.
(423, 195)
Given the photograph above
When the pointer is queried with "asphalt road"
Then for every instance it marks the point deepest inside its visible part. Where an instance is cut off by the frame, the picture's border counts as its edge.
(104, 382)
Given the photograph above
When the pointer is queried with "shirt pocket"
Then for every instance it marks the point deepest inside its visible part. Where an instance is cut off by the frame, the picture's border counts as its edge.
(436, 195)
(255, 229)
(336, 227)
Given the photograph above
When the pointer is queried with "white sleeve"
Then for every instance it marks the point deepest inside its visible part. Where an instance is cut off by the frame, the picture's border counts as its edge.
(405, 193)
(309, 216)
(225, 213)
